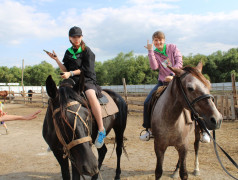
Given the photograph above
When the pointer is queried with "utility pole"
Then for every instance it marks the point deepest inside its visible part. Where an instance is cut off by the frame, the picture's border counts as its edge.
(22, 84)
(22, 72)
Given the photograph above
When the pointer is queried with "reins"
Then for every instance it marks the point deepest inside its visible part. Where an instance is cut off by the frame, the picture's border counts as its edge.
(198, 119)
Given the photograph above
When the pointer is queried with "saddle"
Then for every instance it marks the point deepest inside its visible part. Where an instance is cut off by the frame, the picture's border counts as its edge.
(186, 113)
(108, 106)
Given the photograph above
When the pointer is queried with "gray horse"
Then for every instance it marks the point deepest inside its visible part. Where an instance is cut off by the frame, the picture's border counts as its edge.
(168, 121)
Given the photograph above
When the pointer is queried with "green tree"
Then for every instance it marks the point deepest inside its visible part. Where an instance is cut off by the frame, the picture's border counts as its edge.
(37, 74)
(4, 71)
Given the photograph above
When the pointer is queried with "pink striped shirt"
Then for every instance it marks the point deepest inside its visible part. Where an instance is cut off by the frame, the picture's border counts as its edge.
(156, 59)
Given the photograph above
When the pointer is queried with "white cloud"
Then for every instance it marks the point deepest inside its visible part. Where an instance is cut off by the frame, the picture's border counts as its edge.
(109, 31)
(128, 28)
(20, 21)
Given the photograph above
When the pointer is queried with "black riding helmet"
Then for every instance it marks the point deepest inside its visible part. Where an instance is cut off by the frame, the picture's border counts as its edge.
(75, 31)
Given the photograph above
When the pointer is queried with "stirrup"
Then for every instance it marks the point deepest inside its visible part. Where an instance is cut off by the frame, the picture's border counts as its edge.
(149, 132)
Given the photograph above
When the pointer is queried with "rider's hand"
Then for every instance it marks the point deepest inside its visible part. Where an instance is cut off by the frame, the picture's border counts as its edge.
(168, 78)
(31, 116)
(2, 113)
(53, 55)
(149, 46)
(66, 75)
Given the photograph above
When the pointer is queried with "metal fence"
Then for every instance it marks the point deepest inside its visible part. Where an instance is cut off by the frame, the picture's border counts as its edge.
(222, 87)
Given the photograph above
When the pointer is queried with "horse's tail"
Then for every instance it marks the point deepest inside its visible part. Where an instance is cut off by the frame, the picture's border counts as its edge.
(121, 115)
(123, 148)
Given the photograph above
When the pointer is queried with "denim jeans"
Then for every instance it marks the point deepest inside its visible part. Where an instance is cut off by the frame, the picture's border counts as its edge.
(146, 115)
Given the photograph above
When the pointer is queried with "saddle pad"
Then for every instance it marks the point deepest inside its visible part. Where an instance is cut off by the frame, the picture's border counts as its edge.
(155, 97)
(110, 108)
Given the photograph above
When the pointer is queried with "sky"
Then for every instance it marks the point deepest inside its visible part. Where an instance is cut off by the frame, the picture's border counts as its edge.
(112, 26)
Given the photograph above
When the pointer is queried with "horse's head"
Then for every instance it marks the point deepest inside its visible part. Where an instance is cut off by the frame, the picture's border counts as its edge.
(197, 90)
(70, 115)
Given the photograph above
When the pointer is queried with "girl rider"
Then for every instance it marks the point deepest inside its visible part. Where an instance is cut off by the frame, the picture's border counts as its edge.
(77, 58)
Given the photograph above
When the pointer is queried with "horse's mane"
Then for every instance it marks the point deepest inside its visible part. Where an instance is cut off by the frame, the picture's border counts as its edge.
(67, 93)
(198, 75)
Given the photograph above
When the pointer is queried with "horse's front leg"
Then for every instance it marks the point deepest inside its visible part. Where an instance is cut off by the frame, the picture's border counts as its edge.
(64, 164)
(182, 159)
(196, 171)
(159, 151)
(75, 173)
(101, 155)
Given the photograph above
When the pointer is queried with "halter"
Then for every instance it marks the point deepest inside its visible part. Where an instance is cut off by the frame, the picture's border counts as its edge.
(191, 104)
(74, 142)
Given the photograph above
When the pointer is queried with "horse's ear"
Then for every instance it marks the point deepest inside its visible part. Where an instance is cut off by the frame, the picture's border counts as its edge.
(199, 66)
(51, 87)
(177, 71)
(79, 86)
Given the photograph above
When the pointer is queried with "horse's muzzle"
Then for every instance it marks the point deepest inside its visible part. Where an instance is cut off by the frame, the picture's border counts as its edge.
(214, 122)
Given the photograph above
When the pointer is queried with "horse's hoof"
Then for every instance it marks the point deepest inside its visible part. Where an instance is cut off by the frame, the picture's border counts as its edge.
(196, 173)
(175, 174)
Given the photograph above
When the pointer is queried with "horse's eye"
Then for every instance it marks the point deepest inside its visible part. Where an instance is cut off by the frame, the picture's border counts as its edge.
(190, 89)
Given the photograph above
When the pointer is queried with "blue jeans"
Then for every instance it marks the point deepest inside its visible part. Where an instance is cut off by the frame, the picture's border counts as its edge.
(146, 115)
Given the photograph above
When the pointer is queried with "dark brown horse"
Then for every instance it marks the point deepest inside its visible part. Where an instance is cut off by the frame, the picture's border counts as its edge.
(67, 128)
(30, 94)
(4, 94)
(168, 122)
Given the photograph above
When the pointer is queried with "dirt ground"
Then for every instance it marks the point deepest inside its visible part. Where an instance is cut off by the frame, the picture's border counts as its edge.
(24, 155)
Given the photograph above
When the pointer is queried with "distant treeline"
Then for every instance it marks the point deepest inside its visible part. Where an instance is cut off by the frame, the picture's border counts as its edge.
(218, 67)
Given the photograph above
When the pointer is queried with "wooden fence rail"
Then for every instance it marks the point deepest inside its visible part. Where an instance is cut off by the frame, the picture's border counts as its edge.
(224, 103)
(20, 97)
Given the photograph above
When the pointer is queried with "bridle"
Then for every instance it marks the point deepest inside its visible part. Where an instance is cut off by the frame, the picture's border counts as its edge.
(191, 104)
(199, 120)
(74, 142)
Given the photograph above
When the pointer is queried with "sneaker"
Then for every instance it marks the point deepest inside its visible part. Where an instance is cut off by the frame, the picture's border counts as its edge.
(205, 138)
(146, 137)
(100, 139)
(48, 149)
(7, 131)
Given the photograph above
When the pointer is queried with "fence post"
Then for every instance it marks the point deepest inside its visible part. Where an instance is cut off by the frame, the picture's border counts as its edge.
(234, 88)
(227, 107)
(233, 115)
(42, 95)
(222, 105)
(125, 90)
(24, 94)
(9, 94)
